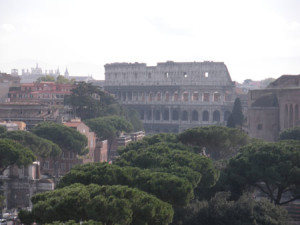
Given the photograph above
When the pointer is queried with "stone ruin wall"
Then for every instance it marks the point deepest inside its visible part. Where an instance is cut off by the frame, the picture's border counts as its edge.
(172, 97)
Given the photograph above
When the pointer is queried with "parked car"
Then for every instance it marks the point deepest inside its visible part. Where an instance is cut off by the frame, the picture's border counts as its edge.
(3, 222)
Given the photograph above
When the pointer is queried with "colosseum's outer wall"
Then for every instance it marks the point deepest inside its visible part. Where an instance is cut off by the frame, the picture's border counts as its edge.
(171, 96)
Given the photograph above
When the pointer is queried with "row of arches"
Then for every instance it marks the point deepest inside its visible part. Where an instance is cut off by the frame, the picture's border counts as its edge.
(291, 116)
(184, 115)
(166, 96)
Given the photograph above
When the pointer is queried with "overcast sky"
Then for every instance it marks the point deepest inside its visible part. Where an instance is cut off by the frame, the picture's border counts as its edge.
(256, 39)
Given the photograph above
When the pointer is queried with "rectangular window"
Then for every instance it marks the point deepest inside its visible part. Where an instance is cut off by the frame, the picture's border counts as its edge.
(206, 97)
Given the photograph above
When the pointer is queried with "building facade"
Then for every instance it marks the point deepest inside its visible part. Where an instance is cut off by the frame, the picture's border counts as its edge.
(275, 108)
(49, 93)
(171, 97)
(7, 81)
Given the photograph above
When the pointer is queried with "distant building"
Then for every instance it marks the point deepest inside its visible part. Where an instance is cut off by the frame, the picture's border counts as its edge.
(37, 72)
(7, 81)
(275, 108)
(173, 96)
(13, 125)
(18, 185)
(49, 93)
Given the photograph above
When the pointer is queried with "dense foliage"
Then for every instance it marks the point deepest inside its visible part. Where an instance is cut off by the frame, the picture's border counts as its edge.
(89, 102)
(167, 187)
(219, 142)
(13, 153)
(290, 134)
(109, 127)
(39, 146)
(236, 117)
(65, 137)
(245, 211)
(110, 205)
(172, 158)
(272, 168)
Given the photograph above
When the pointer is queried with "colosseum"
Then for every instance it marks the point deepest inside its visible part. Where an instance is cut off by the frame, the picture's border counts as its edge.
(173, 96)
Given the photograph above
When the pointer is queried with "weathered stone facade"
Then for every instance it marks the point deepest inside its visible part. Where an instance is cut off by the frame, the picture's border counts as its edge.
(172, 97)
(275, 108)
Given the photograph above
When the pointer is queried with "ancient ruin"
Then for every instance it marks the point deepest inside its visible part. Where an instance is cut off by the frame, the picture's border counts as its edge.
(172, 96)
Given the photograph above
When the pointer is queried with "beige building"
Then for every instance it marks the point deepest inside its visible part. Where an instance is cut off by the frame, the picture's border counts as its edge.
(275, 108)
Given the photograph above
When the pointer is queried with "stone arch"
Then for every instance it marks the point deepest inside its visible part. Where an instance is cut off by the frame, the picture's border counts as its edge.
(185, 96)
(195, 96)
(195, 116)
(158, 96)
(175, 114)
(142, 114)
(166, 114)
(167, 96)
(216, 116)
(296, 115)
(149, 114)
(175, 96)
(184, 116)
(216, 97)
(226, 115)
(157, 115)
(205, 116)
(286, 115)
(291, 115)
(150, 97)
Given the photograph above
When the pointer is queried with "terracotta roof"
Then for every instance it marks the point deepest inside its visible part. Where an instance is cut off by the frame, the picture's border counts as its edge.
(72, 124)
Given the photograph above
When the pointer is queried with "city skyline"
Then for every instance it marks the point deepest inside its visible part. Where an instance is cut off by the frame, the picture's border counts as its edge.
(255, 39)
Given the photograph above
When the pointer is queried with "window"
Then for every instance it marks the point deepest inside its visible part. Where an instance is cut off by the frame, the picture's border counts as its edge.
(195, 96)
(158, 96)
(206, 97)
(175, 97)
(167, 96)
(166, 75)
(149, 75)
(185, 96)
(217, 97)
(46, 165)
(259, 126)
(205, 116)
(185, 75)
(195, 116)
(206, 74)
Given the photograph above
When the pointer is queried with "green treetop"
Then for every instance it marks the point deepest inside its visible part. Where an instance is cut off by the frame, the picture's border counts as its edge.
(13, 153)
(65, 137)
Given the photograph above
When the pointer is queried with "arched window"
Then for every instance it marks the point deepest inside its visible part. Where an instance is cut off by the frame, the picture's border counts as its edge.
(150, 97)
(185, 96)
(175, 114)
(216, 116)
(195, 116)
(205, 97)
(142, 112)
(167, 97)
(217, 97)
(205, 116)
(166, 114)
(297, 115)
(175, 96)
(286, 116)
(149, 115)
(184, 116)
(226, 115)
(158, 96)
(195, 96)
(157, 115)
(291, 116)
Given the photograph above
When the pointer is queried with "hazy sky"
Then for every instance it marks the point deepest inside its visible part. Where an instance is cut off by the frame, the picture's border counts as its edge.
(255, 38)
